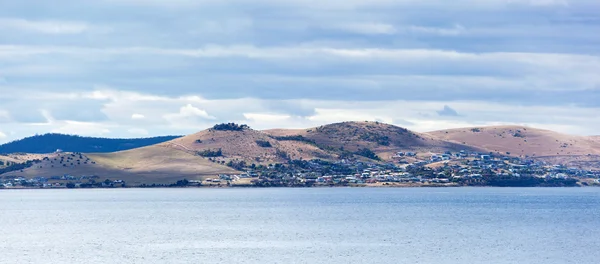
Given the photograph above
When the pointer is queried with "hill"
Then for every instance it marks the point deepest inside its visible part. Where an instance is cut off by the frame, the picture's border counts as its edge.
(248, 145)
(49, 143)
(521, 141)
(152, 164)
(355, 137)
(198, 156)
(231, 148)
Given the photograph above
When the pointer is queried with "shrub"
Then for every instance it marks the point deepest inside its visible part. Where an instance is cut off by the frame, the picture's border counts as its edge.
(294, 138)
(518, 134)
(373, 137)
(264, 143)
(241, 165)
(209, 153)
(367, 153)
(282, 154)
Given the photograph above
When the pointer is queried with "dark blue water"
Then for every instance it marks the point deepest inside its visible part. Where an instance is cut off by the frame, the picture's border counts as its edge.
(337, 225)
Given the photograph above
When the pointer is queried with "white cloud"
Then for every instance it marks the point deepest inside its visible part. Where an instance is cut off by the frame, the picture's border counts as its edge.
(137, 116)
(138, 131)
(550, 60)
(421, 116)
(192, 111)
(261, 117)
(2, 135)
(188, 116)
(45, 27)
(369, 28)
(4, 116)
(453, 31)
(81, 128)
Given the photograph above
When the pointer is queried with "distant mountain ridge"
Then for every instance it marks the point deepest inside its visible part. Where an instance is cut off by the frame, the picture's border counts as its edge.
(48, 143)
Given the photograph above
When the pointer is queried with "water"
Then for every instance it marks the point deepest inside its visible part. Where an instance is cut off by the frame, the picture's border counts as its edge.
(337, 225)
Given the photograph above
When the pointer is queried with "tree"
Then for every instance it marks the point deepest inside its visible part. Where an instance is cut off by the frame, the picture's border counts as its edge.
(210, 153)
(263, 143)
(182, 183)
(367, 153)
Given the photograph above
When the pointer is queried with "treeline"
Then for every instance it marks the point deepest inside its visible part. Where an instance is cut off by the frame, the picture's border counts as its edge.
(49, 143)
(295, 138)
(230, 127)
(523, 181)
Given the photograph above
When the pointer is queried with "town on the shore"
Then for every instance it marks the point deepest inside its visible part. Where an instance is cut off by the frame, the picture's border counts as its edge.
(447, 169)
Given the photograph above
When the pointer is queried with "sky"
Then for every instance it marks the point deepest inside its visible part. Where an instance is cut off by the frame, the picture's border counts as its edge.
(139, 68)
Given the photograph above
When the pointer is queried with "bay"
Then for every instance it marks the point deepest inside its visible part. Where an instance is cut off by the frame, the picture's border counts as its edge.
(285, 225)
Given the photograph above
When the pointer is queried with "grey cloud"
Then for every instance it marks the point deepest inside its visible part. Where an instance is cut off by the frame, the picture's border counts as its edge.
(402, 122)
(514, 53)
(447, 111)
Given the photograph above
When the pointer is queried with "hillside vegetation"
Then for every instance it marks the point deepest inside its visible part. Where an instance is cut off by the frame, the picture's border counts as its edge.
(361, 138)
(241, 143)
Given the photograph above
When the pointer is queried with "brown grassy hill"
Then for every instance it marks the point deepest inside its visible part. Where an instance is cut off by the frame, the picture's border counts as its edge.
(248, 145)
(521, 141)
(187, 157)
(153, 164)
(383, 139)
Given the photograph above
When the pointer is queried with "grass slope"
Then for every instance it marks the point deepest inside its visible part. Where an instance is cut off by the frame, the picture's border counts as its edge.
(244, 145)
(521, 141)
(383, 139)
(153, 164)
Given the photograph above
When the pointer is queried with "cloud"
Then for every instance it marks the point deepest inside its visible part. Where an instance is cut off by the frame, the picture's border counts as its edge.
(137, 116)
(369, 28)
(448, 111)
(81, 128)
(138, 131)
(95, 66)
(188, 116)
(4, 116)
(45, 27)
(191, 111)
(260, 117)
(453, 31)
(2, 135)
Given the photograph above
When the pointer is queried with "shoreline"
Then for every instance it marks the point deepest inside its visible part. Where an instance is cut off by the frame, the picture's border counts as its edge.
(300, 187)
